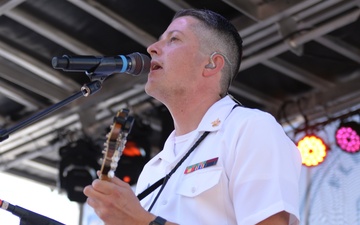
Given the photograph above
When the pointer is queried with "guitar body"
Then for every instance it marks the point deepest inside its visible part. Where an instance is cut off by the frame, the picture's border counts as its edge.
(115, 143)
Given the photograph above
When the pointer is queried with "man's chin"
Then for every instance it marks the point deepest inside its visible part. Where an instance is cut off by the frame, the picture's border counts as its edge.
(149, 89)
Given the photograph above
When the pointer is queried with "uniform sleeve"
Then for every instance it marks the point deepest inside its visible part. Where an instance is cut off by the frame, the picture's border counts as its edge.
(264, 170)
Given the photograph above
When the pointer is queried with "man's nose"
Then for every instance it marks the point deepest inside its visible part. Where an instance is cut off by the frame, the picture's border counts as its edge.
(153, 49)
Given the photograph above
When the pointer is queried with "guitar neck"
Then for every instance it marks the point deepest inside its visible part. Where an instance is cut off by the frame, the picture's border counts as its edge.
(115, 144)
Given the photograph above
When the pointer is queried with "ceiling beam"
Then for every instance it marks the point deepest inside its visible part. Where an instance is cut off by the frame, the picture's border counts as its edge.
(24, 78)
(298, 73)
(38, 134)
(8, 5)
(114, 20)
(50, 32)
(261, 10)
(294, 42)
(341, 47)
(20, 97)
(44, 71)
(336, 100)
(266, 33)
(254, 95)
(5, 165)
(176, 5)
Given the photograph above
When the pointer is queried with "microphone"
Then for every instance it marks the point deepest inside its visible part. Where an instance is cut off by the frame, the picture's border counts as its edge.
(134, 64)
(28, 217)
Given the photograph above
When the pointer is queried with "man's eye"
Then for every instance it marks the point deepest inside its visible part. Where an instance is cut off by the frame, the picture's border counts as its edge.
(172, 39)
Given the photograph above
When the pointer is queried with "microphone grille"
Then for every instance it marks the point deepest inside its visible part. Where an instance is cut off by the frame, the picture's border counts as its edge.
(140, 64)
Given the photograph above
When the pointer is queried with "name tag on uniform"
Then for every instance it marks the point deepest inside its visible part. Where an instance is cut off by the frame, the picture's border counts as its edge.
(201, 165)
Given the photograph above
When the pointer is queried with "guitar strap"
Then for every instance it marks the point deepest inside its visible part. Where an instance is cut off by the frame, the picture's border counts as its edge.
(165, 179)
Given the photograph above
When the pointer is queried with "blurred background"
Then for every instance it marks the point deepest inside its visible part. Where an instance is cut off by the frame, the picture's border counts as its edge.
(301, 63)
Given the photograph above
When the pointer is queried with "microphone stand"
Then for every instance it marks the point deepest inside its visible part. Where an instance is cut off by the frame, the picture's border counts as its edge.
(86, 90)
(28, 217)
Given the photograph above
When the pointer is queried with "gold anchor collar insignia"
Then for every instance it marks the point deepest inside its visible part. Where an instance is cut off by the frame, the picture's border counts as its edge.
(216, 122)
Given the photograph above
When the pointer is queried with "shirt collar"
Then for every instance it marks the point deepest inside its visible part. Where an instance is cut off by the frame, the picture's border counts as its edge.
(215, 116)
(212, 121)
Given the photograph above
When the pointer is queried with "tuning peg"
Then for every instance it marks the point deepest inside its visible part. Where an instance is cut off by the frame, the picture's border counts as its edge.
(113, 165)
(111, 174)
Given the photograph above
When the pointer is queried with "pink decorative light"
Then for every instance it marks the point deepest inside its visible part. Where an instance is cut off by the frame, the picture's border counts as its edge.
(348, 137)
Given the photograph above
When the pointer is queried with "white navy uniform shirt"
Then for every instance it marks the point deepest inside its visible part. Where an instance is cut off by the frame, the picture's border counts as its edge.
(244, 171)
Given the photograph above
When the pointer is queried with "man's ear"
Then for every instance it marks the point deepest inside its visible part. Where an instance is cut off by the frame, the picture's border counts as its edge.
(216, 63)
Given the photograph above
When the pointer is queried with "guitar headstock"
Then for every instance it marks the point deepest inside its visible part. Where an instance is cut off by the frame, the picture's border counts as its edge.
(115, 143)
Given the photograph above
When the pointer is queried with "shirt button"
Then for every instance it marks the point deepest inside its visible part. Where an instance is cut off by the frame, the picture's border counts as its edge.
(193, 189)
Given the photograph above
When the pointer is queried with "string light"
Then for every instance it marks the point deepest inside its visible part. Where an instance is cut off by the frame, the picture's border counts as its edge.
(312, 150)
(348, 137)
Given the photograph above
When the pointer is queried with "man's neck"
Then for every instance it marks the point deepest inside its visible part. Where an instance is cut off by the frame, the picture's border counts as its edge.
(187, 115)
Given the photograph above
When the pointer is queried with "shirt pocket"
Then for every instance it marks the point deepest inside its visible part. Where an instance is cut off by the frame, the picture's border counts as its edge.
(199, 181)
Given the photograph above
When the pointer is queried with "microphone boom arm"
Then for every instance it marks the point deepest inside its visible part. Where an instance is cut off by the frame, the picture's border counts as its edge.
(86, 90)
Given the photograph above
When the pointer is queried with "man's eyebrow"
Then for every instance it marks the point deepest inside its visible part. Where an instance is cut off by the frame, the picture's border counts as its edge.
(168, 34)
